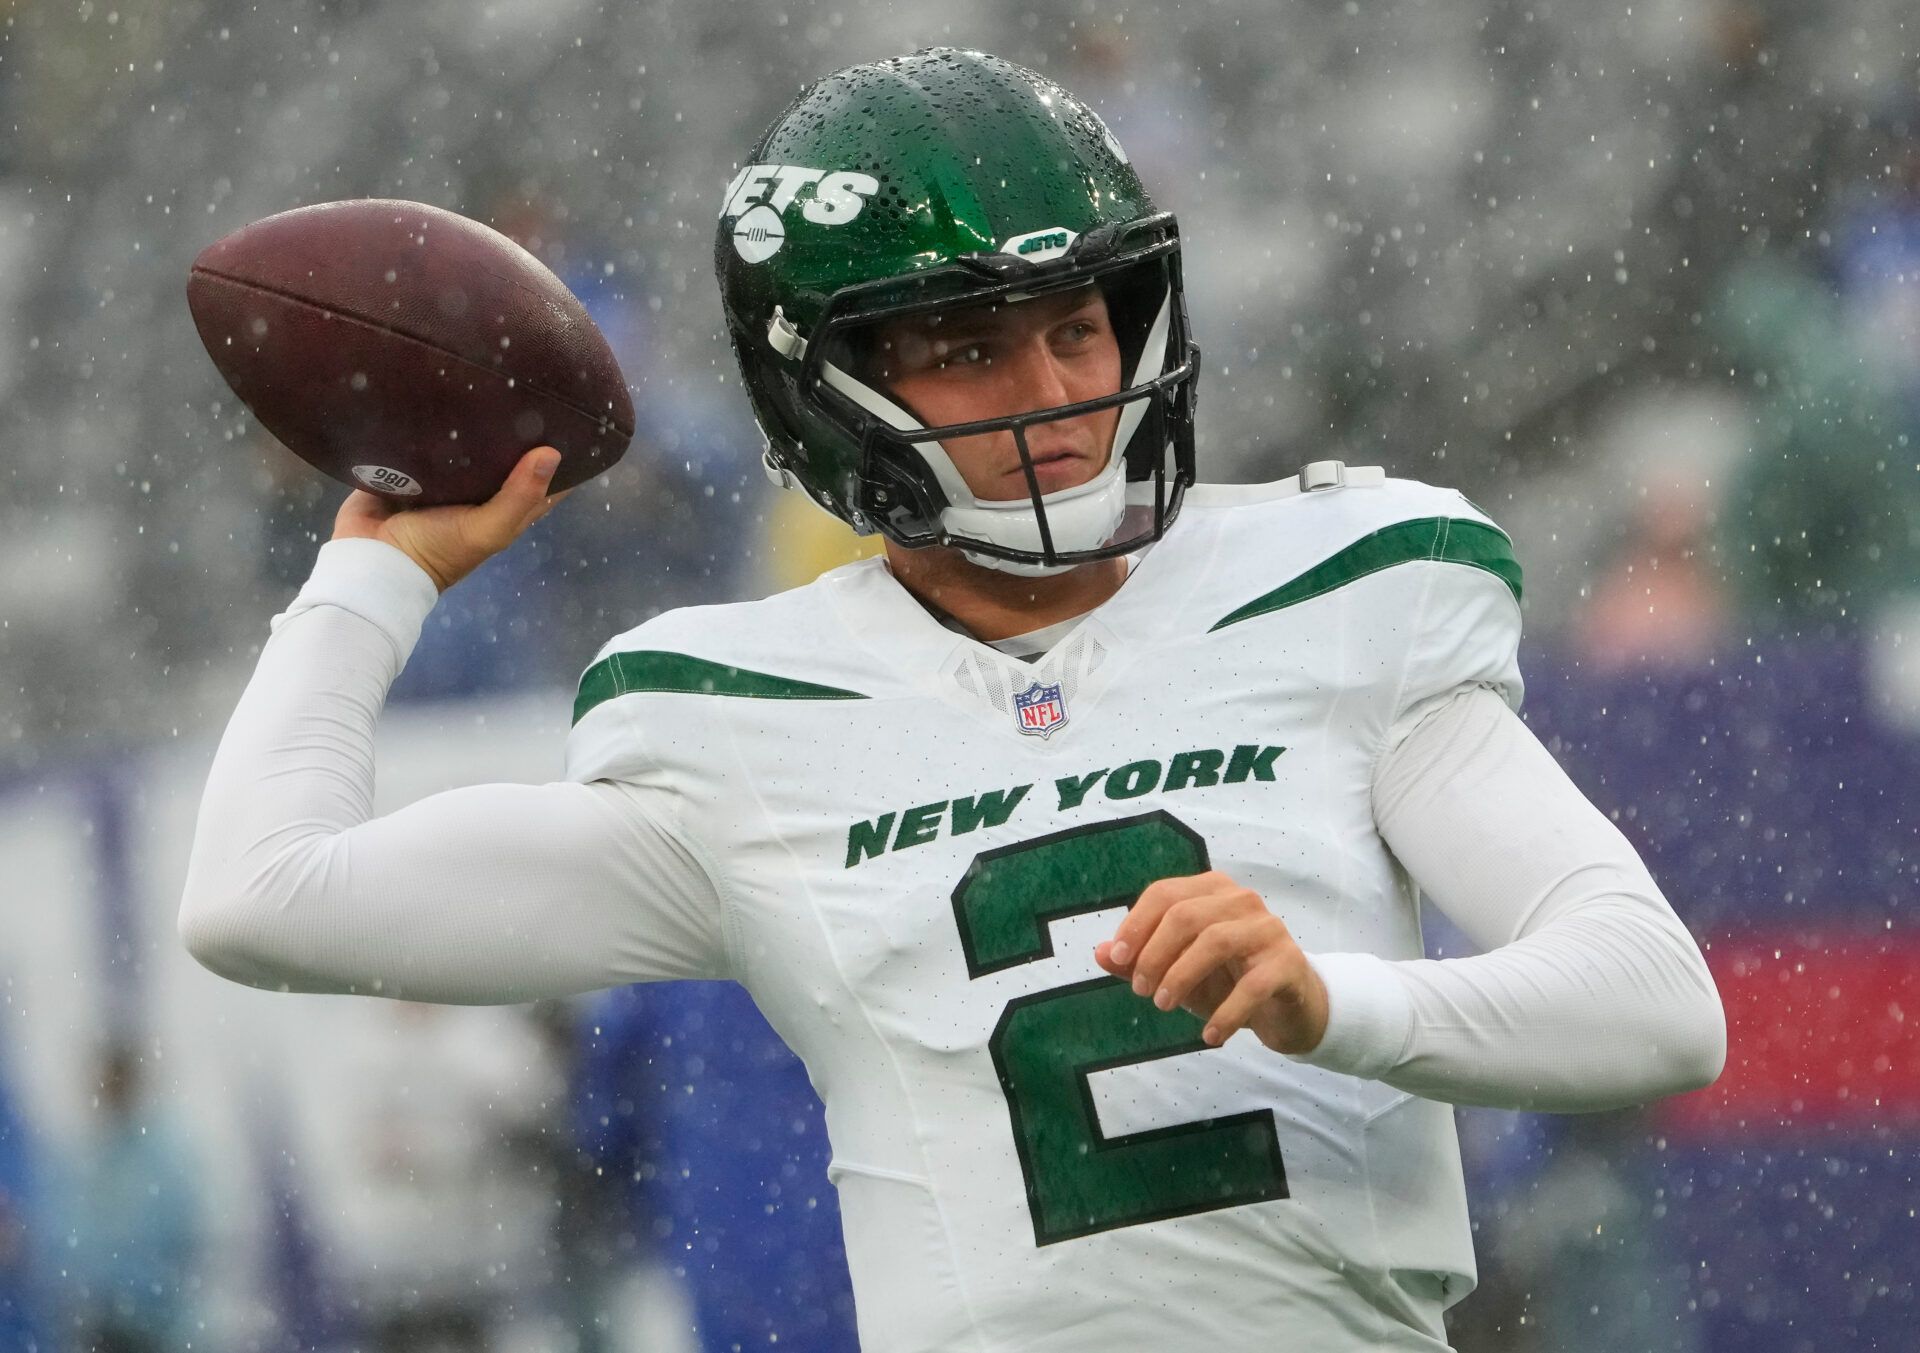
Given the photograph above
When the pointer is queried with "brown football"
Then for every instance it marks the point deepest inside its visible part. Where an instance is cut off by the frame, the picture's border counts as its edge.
(404, 349)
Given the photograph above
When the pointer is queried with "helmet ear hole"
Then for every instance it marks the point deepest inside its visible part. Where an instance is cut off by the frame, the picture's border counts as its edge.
(892, 489)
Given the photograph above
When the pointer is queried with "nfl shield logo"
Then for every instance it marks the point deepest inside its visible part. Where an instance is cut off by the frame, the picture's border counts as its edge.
(1040, 709)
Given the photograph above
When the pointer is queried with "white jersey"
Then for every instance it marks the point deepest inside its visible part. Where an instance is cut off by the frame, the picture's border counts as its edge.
(906, 845)
(915, 842)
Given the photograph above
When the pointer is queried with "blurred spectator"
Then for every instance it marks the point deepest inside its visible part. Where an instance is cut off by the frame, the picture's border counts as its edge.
(592, 1235)
(1501, 1152)
(1824, 519)
(1588, 1250)
(1877, 254)
(429, 1176)
(1659, 598)
(19, 1306)
(688, 1094)
(129, 1227)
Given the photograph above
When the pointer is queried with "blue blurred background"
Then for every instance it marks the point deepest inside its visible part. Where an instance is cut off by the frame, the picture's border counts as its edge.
(1643, 281)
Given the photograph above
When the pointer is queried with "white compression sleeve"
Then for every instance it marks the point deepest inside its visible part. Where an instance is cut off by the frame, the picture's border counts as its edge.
(1592, 994)
(491, 893)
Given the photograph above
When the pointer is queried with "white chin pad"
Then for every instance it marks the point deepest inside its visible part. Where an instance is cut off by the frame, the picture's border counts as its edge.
(1083, 517)
(1016, 567)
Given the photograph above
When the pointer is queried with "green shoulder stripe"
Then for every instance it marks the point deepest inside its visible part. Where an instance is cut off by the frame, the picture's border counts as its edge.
(1447, 540)
(649, 670)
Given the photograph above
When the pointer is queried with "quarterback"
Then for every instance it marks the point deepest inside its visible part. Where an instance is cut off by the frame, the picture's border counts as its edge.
(1075, 844)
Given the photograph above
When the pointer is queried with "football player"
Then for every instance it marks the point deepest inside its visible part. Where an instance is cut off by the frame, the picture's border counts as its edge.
(1011, 831)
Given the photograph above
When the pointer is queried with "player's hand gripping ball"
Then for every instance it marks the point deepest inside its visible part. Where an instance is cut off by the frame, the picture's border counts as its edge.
(450, 541)
(1210, 946)
(408, 351)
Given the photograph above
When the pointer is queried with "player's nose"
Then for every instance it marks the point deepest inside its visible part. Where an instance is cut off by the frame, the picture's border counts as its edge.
(1047, 382)
(1042, 378)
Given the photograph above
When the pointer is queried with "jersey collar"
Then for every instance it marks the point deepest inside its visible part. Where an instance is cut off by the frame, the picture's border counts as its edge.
(909, 643)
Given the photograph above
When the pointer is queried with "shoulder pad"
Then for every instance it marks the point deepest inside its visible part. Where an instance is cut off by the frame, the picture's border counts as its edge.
(1317, 477)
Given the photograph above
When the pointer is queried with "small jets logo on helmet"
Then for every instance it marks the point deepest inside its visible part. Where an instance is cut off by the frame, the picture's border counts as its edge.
(759, 234)
(760, 194)
(1037, 246)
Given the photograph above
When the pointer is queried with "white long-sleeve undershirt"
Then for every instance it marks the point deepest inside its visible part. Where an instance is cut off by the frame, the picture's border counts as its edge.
(487, 894)
(1592, 994)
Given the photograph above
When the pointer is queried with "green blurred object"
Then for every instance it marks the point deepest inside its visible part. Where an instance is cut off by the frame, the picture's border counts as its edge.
(1823, 522)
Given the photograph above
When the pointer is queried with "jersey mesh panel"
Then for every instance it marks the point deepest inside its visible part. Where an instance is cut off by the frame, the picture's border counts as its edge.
(993, 680)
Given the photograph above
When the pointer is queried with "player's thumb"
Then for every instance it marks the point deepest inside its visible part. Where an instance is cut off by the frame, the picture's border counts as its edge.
(522, 500)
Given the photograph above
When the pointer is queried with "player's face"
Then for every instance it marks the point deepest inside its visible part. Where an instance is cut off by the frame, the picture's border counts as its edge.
(988, 361)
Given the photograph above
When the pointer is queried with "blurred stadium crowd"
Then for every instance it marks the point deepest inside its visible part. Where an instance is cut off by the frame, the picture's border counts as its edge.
(1642, 280)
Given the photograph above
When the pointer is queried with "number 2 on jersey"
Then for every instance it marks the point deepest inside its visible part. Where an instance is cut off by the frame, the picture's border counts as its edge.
(1079, 1180)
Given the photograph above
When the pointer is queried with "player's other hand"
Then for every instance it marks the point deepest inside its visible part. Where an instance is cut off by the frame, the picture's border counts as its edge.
(451, 542)
(1210, 946)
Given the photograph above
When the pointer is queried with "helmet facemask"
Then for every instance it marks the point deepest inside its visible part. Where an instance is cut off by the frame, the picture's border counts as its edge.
(913, 491)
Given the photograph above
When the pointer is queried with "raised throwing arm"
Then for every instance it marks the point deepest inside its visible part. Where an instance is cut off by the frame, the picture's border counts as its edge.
(491, 893)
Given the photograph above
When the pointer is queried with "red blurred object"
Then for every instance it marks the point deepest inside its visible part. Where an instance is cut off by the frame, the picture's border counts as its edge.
(1823, 1032)
(407, 350)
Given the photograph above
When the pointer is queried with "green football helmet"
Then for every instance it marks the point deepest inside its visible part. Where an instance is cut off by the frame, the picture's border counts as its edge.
(910, 187)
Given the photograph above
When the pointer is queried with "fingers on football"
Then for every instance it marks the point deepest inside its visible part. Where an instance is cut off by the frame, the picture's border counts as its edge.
(1130, 940)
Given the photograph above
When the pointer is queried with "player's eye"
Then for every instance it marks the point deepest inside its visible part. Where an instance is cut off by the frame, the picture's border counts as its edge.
(966, 354)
